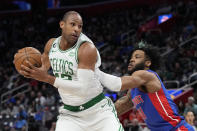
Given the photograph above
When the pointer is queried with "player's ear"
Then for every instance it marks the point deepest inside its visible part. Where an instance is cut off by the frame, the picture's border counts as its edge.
(61, 24)
(148, 63)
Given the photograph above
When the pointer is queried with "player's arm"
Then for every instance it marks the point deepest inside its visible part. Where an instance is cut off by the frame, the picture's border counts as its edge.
(124, 104)
(141, 78)
(87, 56)
(45, 55)
(137, 79)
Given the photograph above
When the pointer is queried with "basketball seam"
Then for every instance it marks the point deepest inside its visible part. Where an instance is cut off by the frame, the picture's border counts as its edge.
(24, 55)
(18, 58)
(27, 56)
(32, 59)
(35, 60)
(22, 62)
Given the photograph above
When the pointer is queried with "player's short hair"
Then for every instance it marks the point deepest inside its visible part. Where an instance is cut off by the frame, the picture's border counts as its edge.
(151, 53)
(67, 14)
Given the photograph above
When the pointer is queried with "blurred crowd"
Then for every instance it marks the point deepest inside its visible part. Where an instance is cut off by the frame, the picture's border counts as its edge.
(37, 109)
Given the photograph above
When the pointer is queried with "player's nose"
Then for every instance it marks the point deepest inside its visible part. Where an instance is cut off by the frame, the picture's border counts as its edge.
(131, 60)
(76, 29)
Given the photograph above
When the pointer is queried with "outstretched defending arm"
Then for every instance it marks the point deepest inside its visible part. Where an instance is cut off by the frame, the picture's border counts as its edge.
(136, 80)
(115, 83)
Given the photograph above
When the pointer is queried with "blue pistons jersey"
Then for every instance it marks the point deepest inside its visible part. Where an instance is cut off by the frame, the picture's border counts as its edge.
(158, 110)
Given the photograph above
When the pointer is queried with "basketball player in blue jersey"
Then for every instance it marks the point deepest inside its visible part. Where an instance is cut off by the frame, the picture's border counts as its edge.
(146, 92)
(75, 61)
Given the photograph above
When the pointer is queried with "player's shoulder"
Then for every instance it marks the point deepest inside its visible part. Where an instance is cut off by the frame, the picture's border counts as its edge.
(140, 72)
(86, 42)
(50, 41)
(144, 74)
(49, 44)
(88, 45)
(87, 48)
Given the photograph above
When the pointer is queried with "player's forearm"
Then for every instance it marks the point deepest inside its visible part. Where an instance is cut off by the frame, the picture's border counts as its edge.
(45, 62)
(113, 83)
(123, 105)
(81, 85)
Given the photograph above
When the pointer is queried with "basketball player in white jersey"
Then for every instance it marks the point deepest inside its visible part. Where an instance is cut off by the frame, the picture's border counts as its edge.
(75, 62)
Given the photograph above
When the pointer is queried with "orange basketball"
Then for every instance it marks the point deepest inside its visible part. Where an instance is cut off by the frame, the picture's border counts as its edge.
(28, 53)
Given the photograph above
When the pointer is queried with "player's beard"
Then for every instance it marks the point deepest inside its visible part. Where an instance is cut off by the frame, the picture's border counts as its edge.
(139, 66)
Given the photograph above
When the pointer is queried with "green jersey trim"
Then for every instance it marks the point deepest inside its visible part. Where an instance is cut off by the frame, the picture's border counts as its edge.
(85, 106)
(51, 47)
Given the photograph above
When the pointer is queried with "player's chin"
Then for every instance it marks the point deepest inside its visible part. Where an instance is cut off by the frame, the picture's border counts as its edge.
(74, 38)
(130, 68)
(73, 41)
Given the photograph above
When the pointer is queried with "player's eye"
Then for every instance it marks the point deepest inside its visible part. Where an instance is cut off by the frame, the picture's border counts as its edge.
(72, 24)
(137, 56)
(80, 26)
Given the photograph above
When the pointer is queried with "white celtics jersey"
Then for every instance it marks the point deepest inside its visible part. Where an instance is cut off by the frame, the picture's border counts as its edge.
(64, 65)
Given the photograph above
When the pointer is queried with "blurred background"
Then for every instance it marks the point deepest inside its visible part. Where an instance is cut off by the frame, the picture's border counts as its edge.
(115, 26)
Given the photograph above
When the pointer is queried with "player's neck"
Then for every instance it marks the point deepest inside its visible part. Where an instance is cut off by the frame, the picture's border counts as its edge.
(64, 44)
(146, 68)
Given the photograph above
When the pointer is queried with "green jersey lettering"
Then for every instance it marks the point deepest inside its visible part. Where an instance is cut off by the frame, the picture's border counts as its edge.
(60, 64)
(64, 67)
(53, 61)
(70, 66)
(66, 77)
(63, 76)
(56, 65)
